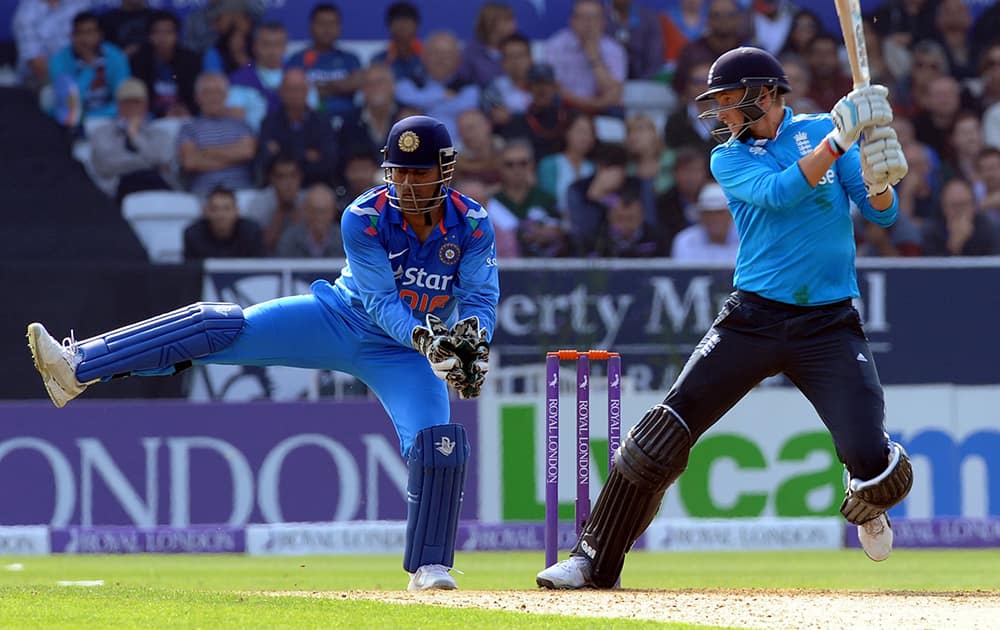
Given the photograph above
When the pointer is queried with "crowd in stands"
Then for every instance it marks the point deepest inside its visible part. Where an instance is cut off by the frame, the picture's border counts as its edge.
(548, 137)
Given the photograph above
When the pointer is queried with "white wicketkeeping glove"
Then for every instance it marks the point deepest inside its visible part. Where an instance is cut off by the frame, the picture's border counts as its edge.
(864, 107)
(882, 161)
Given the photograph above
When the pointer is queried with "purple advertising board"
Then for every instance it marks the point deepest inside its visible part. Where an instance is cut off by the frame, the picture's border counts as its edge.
(149, 464)
(957, 532)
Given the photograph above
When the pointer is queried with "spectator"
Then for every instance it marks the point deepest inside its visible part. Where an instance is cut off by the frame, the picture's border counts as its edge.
(933, 126)
(650, 161)
(41, 28)
(444, 94)
(335, 73)
(86, 74)
(988, 170)
(986, 27)
(989, 79)
(547, 118)
(637, 30)
(965, 143)
(881, 70)
(557, 171)
(675, 209)
(318, 234)
(588, 198)
(962, 229)
(294, 129)
(726, 29)
(520, 207)
(928, 62)
(277, 206)
(772, 23)
(233, 48)
(590, 67)
(681, 23)
(214, 149)
(481, 56)
(253, 89)
(683, 126)
(361, 171)
(829, 81)
(168, 70)
(800, 80)
(510, 92)
(221, 232)
(901, 23)
(713, 238)
(203, 25)
(379, 110)
(127, 25)
(480, 157)
(902, 238)
(140, 155)
(953, 26)
(626, 233)
(405, 52)
(918, 192)
(806, 25)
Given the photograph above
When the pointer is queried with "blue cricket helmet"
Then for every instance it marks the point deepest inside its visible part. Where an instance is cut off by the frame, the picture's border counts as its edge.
(745, 68)
(418, 142)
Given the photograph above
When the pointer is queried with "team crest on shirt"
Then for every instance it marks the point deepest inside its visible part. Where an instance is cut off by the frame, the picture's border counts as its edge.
(449, 253)
(409, 141)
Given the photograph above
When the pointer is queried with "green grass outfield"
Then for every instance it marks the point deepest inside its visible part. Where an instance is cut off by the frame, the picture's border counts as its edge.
(211, 591)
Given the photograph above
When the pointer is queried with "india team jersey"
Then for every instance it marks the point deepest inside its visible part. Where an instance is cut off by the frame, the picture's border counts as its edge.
(392, 280)
(796, 241)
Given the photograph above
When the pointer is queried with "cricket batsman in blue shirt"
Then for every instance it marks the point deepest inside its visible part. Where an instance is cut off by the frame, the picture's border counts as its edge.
(789, 180)
(412, 312)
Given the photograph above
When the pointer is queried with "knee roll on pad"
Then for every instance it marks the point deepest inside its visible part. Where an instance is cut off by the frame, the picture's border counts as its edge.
(652, 457)
(158, 344)
(437, 464)
(866, 500)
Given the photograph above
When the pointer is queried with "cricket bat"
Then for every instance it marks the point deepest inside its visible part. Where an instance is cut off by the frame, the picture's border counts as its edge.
(849, 13)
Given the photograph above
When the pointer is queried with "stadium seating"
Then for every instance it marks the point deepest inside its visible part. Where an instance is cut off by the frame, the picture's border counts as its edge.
(159, 218)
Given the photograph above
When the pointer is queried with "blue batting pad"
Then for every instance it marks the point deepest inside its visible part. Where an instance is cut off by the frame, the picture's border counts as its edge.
(434, 495)
(157, 345)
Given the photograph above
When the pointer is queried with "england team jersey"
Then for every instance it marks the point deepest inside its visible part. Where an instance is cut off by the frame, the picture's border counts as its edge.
(796, 241)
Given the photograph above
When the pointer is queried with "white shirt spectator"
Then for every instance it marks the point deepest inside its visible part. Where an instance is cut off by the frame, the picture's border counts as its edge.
(574, 72)
(714, 238)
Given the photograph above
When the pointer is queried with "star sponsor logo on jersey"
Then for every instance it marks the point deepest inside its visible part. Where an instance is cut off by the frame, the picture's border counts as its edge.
(449, 253)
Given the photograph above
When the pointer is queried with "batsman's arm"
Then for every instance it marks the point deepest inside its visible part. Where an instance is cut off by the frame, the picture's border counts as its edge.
(881, 209)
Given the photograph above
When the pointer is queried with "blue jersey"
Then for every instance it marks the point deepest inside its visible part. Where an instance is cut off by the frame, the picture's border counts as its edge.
(328, 65)
(392, 280)
(796, 241)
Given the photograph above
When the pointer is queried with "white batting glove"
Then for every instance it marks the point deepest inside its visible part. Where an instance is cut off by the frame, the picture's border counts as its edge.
(882, 161)
(864, 107)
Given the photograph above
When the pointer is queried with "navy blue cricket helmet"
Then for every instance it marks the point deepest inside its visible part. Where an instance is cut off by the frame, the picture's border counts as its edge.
(747, 68)
(418, 142)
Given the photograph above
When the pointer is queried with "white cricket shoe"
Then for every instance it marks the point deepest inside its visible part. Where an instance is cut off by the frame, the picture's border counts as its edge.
(56, 363)
(572, 573)
(432, 577)
(876, 537)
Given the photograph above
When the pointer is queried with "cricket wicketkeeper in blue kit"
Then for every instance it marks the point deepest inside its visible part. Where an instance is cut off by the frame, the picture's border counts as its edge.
(420, 256)
(789, 180)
